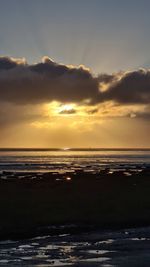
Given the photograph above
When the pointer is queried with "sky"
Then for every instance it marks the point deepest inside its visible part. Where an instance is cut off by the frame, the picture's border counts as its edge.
(74, 73)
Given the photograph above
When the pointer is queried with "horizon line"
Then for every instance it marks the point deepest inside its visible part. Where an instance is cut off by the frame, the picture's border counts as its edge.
(70, 148)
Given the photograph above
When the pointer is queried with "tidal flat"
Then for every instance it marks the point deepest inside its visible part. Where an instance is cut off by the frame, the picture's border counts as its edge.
(35, 203)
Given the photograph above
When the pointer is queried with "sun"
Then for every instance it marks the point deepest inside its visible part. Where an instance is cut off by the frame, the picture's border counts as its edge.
(57, 108)
(66, 107)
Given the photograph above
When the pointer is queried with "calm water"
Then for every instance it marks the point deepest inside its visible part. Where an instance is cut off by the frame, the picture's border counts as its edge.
(70, 160)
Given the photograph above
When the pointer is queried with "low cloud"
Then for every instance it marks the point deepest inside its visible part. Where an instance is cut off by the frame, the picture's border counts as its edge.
(46, 81)
(128, 87)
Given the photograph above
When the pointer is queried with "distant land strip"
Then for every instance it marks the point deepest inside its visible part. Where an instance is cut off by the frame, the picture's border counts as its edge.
(74, 149)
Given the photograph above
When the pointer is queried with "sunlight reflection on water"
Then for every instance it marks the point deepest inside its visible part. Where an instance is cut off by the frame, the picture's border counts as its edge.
(69, 160)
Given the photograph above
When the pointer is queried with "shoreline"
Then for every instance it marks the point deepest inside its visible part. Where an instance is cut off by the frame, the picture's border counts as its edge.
(40, 203)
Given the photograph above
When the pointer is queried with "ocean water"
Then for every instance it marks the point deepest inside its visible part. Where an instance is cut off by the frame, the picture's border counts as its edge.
(127, 247)
(70, 160)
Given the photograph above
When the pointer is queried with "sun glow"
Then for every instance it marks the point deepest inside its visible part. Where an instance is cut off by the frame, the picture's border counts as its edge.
(66, 108)
(56, 108)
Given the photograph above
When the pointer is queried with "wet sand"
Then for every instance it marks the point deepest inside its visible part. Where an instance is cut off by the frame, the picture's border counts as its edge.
(36, 203)
(128, 247)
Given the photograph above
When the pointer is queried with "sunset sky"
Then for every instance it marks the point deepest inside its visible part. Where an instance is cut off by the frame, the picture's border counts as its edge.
(75, 73)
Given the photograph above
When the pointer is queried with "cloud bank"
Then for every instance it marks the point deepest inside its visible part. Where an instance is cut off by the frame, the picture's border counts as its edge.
(46, 81)
(127, 87)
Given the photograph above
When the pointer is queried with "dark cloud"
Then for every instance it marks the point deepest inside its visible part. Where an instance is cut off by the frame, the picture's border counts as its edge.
(21, 83)
(6, 63)
(129, 88)
(44, 82)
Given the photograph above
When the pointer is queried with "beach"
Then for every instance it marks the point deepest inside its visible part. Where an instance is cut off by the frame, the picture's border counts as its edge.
(78, 208)
(32, 203)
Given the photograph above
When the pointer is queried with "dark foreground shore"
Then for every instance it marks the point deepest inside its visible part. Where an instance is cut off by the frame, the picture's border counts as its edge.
(33, 203)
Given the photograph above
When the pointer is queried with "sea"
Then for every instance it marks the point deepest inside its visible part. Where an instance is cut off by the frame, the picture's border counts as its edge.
(51, 160)
(106, 248)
